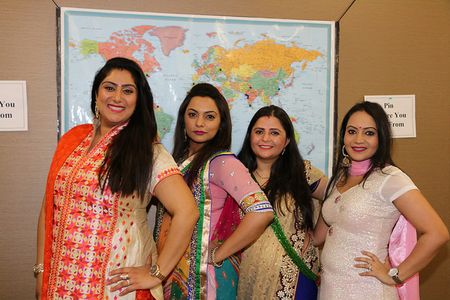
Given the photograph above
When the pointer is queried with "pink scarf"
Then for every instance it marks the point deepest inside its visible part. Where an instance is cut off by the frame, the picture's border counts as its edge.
(358, 168)
(402, 241)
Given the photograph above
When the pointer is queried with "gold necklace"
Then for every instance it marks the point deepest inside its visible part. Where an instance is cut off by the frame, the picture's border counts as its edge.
(263, 178)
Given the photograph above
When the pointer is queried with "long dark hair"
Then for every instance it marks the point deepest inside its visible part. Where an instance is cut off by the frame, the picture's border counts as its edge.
(127, 166)
(382, 156)
(287, 174)
(220, 142)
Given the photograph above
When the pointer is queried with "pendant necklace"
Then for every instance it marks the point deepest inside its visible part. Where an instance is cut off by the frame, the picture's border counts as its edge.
(265, 179)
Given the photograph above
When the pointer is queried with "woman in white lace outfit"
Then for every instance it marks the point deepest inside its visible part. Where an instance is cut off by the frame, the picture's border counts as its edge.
(365, 198)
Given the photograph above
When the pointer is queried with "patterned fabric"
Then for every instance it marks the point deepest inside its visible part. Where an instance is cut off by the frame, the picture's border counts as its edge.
(223, 190)
(94, 232)
(255, 202)
(360, 218)
(65, 147)
(267, 272)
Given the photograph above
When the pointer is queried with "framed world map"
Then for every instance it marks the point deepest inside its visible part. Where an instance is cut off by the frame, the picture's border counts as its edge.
(253, 61)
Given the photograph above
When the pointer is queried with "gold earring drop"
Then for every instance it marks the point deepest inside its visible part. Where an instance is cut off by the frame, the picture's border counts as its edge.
(97, 113)
(346, 161)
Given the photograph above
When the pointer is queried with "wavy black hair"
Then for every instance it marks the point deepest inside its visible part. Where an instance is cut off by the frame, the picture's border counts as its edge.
(382, 156)
(220, 142)
(287, 174)
(127, 167)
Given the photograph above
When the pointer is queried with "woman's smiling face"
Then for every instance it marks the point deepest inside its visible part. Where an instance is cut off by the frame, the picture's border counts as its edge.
(116, 98)
(268, 138)
(361, 136)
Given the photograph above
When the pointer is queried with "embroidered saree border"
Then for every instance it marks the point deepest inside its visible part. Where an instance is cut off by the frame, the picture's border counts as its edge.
(290, 251)
(202, 234)
(199, 246)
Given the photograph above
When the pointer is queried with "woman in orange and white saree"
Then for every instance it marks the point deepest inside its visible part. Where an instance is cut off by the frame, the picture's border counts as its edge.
(93, 218)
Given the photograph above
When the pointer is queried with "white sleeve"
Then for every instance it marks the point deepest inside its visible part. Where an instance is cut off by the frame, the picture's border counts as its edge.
(396, 184)
(163, 166)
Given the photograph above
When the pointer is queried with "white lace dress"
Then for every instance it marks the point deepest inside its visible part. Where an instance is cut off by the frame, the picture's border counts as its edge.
(361, 218)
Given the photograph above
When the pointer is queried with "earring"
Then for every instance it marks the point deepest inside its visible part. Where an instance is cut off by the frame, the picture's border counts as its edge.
(185, 134)
(97, 113)
(282, 152)
(346, 161)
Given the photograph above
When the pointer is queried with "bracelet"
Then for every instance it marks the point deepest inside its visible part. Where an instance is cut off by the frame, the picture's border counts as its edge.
(213, 258)
(38, 269)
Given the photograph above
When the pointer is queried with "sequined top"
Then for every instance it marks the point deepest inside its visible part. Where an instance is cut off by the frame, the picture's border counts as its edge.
(361, 218)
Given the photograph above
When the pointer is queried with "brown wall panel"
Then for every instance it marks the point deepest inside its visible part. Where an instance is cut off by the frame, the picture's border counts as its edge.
(386, 47)
(27, 52)
(402, 47)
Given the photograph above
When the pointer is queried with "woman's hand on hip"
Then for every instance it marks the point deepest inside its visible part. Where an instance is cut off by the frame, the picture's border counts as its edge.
(127, 280)
(374, 267)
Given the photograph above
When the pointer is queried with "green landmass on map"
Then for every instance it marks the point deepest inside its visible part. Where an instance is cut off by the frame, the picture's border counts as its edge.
(164, 122)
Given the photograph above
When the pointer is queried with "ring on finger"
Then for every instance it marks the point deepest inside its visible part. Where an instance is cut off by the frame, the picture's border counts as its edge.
(369, 267)
(128, 282)
(124, 277)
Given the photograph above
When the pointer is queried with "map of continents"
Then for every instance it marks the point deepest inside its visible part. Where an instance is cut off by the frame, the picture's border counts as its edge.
(132, 43)
(254, 62)
(251, 70)
(258, 69)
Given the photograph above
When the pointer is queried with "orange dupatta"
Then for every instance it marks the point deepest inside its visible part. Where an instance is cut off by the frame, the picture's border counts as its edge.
(65, 147)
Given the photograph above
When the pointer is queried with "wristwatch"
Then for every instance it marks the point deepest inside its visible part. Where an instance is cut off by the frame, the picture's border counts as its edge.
(393, 272)
(155, 272)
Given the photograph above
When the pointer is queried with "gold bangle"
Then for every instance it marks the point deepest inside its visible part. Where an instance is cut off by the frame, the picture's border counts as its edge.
(38, 269)
(213, 258)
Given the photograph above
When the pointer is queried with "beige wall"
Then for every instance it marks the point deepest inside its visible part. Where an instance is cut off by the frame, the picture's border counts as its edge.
(386, 47)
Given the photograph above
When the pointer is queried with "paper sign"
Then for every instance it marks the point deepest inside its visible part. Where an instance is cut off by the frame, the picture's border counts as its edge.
(13, 106)
(401, 112)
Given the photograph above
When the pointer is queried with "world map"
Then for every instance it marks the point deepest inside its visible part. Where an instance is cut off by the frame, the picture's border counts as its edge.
(253, 62)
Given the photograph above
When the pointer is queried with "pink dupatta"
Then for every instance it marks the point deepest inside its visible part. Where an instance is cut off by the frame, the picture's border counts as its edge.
(401, 243)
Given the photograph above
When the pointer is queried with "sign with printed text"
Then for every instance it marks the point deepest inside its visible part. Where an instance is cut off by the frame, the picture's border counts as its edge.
(13, 106)
(401, 112)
